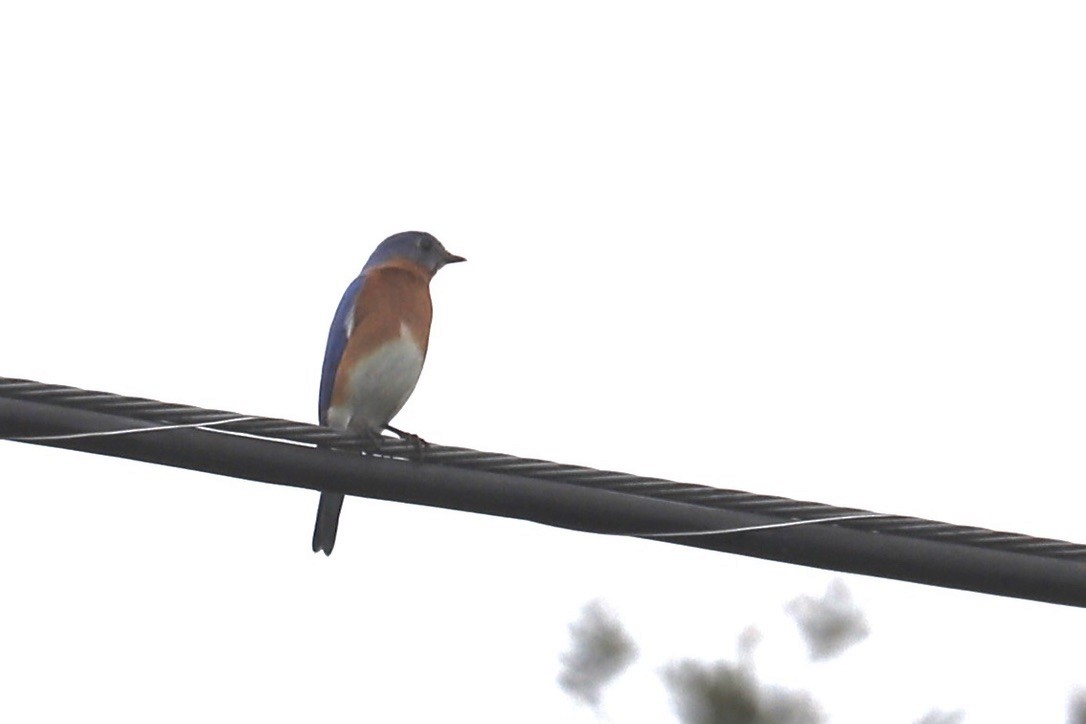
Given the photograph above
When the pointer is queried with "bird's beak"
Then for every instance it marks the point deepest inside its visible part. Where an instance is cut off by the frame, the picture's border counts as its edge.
(453, 258)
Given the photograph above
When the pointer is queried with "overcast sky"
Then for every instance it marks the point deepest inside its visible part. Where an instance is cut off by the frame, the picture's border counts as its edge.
(840, 244)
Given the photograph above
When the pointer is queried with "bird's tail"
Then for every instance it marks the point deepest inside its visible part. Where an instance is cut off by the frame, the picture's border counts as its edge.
(324, 532)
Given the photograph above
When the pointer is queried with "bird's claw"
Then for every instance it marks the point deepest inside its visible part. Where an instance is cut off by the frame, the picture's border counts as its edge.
(418, 443)
(373, 440)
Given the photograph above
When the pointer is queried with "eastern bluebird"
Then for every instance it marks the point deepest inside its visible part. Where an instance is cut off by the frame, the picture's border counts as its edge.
(376, 347)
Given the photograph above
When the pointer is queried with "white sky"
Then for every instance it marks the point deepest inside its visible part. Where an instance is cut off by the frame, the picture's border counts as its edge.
(839, 244)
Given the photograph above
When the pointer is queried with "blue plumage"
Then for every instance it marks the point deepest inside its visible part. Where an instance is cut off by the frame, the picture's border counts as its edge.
(337, 342)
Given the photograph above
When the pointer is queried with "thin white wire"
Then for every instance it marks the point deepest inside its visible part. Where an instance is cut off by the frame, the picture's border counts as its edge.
(767, 526)
(131, 431)
(208, 426)
(253, 436)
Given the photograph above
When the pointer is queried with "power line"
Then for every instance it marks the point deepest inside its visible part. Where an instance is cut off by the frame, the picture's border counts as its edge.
(578, 498)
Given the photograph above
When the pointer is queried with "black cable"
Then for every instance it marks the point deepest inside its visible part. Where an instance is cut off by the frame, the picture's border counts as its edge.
(285, 452)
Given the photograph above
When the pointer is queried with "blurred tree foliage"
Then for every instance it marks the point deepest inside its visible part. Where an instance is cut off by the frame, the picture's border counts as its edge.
(723, 692)
(600, 650)
(829, 624)
(935, 716)
(719, 692)
(1076, 709)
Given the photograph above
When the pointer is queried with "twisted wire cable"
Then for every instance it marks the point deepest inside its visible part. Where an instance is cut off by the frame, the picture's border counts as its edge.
(774, 519)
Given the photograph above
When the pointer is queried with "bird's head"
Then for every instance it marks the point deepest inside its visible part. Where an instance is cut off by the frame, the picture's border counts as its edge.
(416, 247)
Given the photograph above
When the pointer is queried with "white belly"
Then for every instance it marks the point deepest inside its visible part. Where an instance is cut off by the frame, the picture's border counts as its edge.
(379, 386)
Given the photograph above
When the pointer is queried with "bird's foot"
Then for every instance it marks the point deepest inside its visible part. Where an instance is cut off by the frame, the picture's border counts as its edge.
(373, 440)
(415, 440)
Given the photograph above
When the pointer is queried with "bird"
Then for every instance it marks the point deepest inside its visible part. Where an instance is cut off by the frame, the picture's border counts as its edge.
(376, 347)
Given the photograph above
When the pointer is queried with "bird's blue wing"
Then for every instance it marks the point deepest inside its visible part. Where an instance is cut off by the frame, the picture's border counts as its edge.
(337, 342)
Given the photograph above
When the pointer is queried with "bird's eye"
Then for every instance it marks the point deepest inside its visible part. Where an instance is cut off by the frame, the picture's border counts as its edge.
(426, 243)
